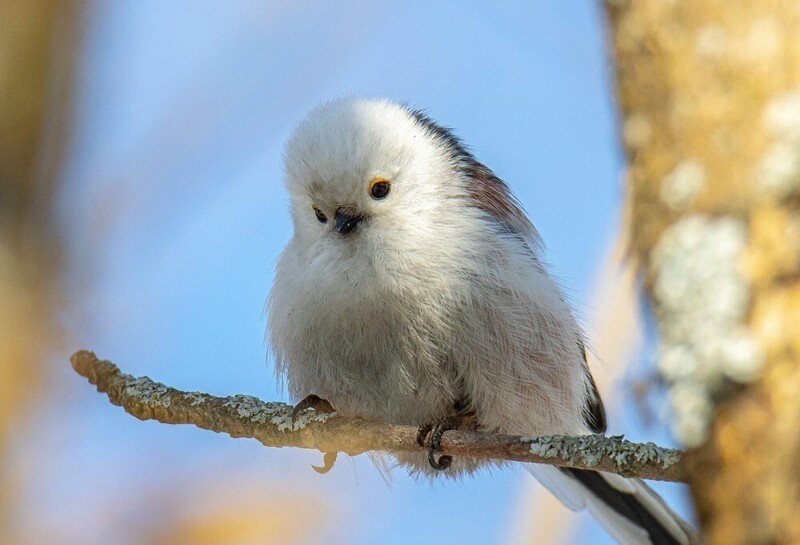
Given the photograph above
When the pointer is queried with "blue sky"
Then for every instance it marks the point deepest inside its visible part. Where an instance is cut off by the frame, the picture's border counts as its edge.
(174, 212)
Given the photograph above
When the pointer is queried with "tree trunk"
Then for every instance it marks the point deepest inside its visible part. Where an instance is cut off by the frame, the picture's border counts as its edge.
(38, 39)
(709, 93)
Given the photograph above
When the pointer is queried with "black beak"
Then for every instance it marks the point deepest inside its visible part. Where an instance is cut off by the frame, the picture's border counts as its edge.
(345, 223)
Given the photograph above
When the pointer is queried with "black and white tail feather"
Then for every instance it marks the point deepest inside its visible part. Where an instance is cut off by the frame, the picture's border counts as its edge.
(628, 509)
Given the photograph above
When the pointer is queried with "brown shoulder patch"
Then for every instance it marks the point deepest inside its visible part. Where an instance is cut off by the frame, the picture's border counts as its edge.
(488, 192)
(492, 195)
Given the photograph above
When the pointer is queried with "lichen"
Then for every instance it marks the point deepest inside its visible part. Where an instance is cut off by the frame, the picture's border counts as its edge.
(701, 299)
(711, 41)
(778, 170)
(275, 413)
(682, 184)
(777, 173)
(254, 409)
(154, 394)
(284, 422)
(762, 40)
(195, 398)
(589, 450)
(636, 130)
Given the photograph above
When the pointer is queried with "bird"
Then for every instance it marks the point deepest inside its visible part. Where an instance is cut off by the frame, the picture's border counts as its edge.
(414, 290)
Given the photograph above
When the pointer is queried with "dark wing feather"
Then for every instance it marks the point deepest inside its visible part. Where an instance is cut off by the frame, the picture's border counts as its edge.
(595, 410)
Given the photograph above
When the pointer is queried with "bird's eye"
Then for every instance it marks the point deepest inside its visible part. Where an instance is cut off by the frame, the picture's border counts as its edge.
(320, 216)
(379, 188)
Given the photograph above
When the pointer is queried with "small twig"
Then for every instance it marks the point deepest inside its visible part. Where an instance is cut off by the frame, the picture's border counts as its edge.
(271, 424)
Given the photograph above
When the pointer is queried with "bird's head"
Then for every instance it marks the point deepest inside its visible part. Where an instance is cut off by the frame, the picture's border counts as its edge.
(355, 166)
(374, 172)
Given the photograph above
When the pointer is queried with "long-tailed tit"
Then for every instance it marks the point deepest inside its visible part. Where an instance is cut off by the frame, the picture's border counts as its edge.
(413, 291)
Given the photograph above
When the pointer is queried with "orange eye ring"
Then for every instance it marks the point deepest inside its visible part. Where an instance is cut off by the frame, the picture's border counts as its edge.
(379, 188)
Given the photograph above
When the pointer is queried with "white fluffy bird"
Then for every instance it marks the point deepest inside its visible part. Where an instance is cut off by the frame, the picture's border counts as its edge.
(413, 291)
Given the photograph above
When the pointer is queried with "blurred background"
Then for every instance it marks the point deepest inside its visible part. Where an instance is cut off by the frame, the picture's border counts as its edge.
(142, 210)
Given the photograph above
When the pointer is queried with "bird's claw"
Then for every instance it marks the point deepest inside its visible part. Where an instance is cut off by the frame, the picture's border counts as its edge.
(319, 405)
(327, 463)
(422, 433)
(312, 401)
(436, 430)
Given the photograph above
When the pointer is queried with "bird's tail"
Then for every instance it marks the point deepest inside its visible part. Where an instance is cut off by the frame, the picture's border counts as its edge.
(628, 509)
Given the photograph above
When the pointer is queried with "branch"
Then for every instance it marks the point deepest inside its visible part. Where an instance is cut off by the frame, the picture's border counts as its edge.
(271, 424)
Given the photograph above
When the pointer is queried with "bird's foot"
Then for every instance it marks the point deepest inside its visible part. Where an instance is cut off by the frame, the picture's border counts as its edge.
(315, 402)
(319, 405)
(436, 430)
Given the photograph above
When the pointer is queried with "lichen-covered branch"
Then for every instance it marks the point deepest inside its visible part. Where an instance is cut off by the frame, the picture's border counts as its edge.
(272, 425)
